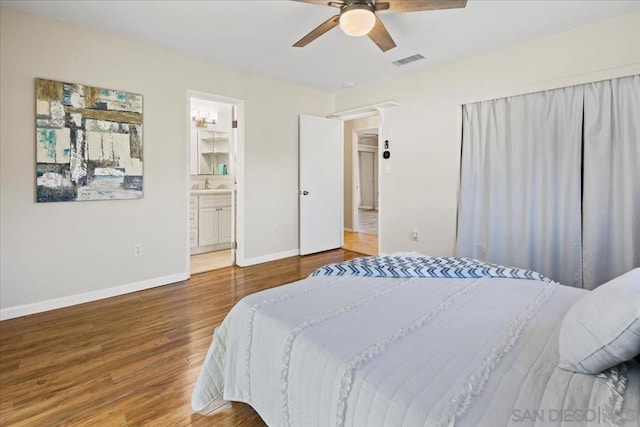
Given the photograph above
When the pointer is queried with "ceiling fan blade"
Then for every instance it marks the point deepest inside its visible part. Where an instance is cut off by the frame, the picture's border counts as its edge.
(335, 3)
(382, 6)
(419, 5)
(318, 31)
(381, 36)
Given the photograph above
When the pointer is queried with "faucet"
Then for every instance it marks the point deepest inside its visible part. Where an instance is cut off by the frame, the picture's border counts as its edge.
(206, 183)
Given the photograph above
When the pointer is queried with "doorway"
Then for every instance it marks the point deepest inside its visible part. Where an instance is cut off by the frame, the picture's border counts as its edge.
(367, 167)
(213, 142)
(361, 185)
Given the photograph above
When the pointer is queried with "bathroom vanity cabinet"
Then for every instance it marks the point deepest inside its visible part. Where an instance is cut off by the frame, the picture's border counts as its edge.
(210, 220)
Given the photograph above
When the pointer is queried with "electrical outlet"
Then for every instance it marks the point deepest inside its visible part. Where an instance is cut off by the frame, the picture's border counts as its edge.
(137, 249)
(415, 235)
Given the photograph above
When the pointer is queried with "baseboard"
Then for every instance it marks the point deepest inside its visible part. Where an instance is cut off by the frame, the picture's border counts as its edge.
(52, 304)
(271, 257)
(348, 229)
(365, 207)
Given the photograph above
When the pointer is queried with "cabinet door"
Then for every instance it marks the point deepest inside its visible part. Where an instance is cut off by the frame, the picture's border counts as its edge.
(208, 226)
(225, 224)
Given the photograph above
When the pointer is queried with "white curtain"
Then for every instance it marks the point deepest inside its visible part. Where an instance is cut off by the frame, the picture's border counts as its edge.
(611, 198)
(520, 201)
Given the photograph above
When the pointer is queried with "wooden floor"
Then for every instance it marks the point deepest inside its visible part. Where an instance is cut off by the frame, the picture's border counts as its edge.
(132, 359)
(210, 261)
(363, 243)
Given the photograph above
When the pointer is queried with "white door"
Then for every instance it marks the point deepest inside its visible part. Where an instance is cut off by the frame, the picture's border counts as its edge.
(321, 172)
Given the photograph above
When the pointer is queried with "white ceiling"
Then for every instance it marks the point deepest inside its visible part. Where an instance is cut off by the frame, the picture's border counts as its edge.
(257, 35)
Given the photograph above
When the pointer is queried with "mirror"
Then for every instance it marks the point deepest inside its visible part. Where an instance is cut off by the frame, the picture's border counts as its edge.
(213, 152)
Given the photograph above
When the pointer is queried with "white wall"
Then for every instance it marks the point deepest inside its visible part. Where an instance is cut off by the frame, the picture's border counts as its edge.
(58, 250)
(424, 132)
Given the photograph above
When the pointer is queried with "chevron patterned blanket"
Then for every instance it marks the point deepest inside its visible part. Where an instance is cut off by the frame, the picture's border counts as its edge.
(425, 266)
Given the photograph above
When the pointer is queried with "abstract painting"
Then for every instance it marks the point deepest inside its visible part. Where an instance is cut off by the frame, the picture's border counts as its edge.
(88, 143)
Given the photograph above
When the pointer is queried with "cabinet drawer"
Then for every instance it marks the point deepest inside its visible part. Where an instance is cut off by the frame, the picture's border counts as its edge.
(214, 201)
(193, 202)
(193, 237)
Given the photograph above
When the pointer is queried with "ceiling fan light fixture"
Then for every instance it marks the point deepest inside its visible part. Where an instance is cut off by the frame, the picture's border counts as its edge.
(357, 19)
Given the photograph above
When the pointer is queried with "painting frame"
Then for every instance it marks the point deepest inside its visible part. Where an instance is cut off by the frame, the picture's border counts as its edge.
(89, 143)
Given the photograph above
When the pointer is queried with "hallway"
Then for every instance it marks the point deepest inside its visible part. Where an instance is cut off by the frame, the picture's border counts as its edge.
(368, 221)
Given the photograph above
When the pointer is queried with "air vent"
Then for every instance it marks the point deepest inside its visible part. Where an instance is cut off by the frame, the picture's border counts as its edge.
(408, 60)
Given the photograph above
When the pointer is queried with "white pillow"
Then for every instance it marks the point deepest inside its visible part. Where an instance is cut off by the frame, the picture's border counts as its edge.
(602, 329)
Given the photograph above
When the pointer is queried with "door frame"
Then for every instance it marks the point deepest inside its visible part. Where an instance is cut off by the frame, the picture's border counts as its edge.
(355, 171)
(368, 111)
(237, 165)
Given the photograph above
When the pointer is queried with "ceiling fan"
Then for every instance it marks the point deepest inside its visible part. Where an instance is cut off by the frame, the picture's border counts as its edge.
(358, 17)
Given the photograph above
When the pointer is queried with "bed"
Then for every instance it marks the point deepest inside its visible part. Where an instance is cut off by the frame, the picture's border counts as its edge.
(409, 340)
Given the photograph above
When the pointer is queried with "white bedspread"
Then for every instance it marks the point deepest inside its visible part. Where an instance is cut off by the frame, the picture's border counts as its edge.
(355, 351)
